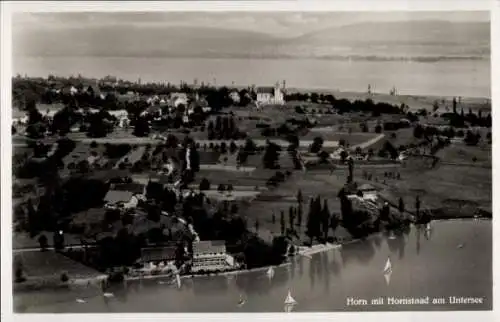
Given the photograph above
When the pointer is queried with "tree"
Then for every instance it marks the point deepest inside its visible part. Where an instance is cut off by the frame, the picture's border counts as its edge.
(273, 218)
(282, 222)
(300, 198)
(312, 220)
(401, 205)
(204, 184)
(325, 219)
(291, 216)
(232, 147)
(64, 277)
(59, 240)
(271, 156)
(194, 158)
(334, 222)
(229, 188)
(141, 127)
(19, 271)
(44, 243)
(299, 215)
(256, 225)
(417, 207)
(316, 145)
(221, 188)
(472, 138)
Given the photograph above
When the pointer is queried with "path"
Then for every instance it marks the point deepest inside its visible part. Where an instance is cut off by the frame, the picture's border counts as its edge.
(37, 249)
(368, 143)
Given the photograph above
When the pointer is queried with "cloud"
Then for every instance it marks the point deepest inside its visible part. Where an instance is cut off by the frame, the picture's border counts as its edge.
(273, 23)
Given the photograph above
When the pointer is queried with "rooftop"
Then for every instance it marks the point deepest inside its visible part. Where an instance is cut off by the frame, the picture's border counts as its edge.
(115, 196)
(134, 187)
(366, 187)
(263, 90)
(155, 254)
(209, 247)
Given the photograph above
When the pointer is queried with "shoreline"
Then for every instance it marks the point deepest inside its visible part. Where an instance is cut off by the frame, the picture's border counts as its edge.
(303, 252)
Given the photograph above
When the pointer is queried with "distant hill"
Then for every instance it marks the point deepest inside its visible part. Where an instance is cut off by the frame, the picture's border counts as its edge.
(426, 32)
(369, 41)
(132, 41)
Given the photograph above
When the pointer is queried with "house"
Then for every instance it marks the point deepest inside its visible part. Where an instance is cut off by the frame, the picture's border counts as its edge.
(209, 255)
(122, 117)
(19, 117)
(235, 96)
(271, 95)
(177, 99)
(122, 198)
(116, 197)
(368, 192)
(157, 255)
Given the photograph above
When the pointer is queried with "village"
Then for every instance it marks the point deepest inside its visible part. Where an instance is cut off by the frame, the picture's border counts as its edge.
(117, 180)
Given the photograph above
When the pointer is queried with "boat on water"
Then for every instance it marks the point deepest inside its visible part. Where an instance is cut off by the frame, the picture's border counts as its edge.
(178, 280)
(270, 272)
(387, 271)
(289, 302)
(108, 294)
(80, 301)
(242, 301)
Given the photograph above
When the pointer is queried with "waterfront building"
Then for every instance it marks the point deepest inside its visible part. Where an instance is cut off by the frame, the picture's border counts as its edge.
(156, 255)
(368, 192)
(209, 255)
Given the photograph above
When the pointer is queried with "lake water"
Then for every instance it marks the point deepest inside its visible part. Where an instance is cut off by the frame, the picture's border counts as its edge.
(466, 78)
(423, 264)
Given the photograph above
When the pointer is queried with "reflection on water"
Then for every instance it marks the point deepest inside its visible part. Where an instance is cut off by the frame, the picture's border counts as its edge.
(355, 270)
(397, 243)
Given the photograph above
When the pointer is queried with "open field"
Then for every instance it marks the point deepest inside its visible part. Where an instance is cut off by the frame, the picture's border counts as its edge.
(443, 188)
(413, 101)
(50, 264)
(461, 154)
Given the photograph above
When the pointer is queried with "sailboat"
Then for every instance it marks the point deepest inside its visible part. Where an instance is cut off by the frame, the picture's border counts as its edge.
(270, 272)
(80, 301)
(108, 294)
(289, 300)
(242, 301)
(388, 271)
(178, 280)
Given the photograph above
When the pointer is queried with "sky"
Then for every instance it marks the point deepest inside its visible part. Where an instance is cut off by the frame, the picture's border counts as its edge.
(283, 24)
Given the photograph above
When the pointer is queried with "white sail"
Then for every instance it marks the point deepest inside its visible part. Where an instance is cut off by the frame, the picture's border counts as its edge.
(388, 266)
(270, 272)
(428, 226)
(178, 278)
(241, 301)
(289, 299)
(387, 271)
